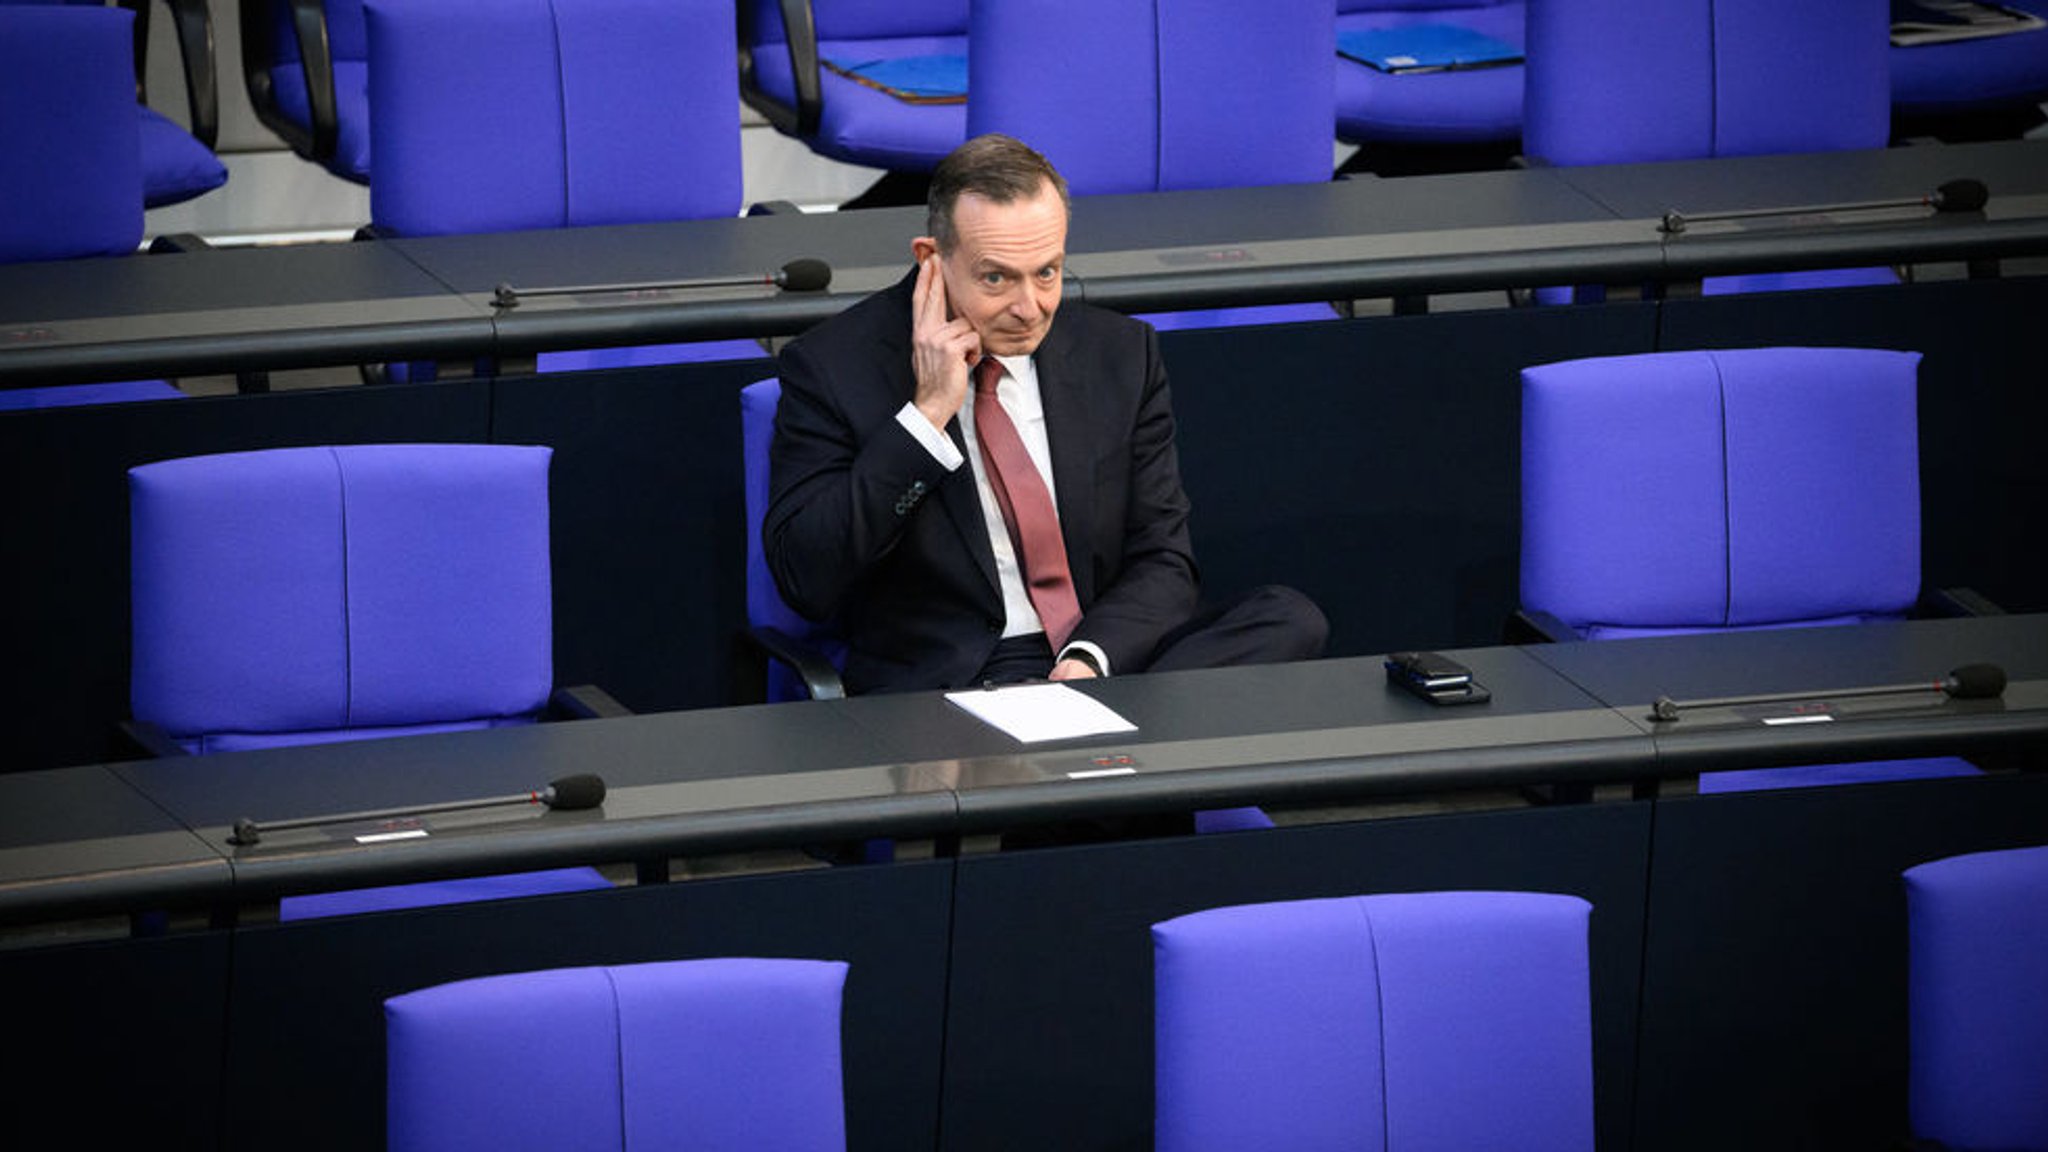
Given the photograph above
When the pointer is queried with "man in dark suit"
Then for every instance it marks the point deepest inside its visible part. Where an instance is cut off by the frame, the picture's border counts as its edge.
(884, 514)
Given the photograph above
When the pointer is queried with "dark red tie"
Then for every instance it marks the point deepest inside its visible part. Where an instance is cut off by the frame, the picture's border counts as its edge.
(1028, 513)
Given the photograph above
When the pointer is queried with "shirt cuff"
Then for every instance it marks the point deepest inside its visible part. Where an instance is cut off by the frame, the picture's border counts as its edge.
(936, 442)
(1086, 651)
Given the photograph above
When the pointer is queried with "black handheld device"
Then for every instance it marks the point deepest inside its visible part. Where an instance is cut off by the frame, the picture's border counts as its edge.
(1436, 678)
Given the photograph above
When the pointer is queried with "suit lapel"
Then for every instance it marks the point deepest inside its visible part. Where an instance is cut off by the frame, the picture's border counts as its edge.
(957, 496)
(962, 502)
(1070, 428)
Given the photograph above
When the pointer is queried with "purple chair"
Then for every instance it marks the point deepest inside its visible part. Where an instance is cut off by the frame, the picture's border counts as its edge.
(1452, 106)
(1373, 1023)
(305, 64)
(721, 1055)
(310, 595)
(803, 76)
(604, 112)
(1964, 79)
(1617, 82)
(1977, 1019)
(1158, 95)
(782, 655)
(1680, 492)
(177, 165)
(71, 163)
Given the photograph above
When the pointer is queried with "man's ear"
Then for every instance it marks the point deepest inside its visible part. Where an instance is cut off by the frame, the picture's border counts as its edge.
(922, 247)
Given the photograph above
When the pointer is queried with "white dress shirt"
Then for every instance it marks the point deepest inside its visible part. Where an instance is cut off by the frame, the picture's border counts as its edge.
(1018, 392)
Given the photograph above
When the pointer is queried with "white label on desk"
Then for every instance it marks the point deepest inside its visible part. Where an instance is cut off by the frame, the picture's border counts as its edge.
(381, 837)
(1798, 719)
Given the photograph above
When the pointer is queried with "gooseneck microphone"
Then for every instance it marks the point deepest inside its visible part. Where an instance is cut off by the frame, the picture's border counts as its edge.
(1969, 682)
(1963, 195)
(803, 275)
(567, 794)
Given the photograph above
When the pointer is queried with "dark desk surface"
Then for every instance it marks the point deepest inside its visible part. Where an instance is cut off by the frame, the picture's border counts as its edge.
(82, 839)
(917, 766)
(297, 306)
(1631, 674)
(227, 309)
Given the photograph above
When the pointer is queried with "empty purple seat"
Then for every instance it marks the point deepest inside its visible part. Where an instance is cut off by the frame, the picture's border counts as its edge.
(1463, 105)
(803, 78)
(1977, 1000)
(603, 112)
(1376, 1023)
(719, 1055)
(1680, 492)
(307, 595)
(1614, 82)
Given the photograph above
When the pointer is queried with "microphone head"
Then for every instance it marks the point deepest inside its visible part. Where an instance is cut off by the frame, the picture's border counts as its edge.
(571, 793)
(804, 275)
(1965, 195)
(1975, 682)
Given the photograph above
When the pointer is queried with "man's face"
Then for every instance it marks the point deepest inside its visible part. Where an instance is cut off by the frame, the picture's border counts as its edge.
(1003, 274)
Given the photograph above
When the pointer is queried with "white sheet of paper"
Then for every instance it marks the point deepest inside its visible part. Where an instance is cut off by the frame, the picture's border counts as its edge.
(1038, 712)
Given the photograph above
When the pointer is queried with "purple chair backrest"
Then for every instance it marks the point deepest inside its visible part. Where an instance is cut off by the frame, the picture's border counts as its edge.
(71, 174)
(1344, 6)
(601, 112)
(1977, 928)
(1688, 491)
(765, 606)
(867, 19)
(1367, 1023)
(720, 1055)
(1616, 81)
(301, 594)
(1152, 95)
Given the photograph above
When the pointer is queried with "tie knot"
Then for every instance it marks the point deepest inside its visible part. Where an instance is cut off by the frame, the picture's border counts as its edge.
(987, 375)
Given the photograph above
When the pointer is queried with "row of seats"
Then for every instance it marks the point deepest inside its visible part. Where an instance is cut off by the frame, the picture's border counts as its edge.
(1389, 1023)
(619, 111)
(1436, 72)
(1605, 80)
(1662, 493)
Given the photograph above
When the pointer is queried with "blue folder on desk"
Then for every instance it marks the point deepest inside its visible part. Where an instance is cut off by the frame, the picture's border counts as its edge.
(1425, 48)
(934, 79)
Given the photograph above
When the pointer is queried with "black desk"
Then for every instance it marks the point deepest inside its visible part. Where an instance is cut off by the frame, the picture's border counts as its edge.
(228, 310)
(915, 766)
(1631, 674)
(1734, 937)
(90, 841)
(431, 298)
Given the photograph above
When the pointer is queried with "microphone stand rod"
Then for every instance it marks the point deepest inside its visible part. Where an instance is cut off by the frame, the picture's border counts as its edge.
(249, 831)
(1666, 708)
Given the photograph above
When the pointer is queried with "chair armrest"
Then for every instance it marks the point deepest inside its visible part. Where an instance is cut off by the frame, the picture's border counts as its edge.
(194, 22)
(756, 647)
(309, 29)
(585, 702)
(1951, 602)
(309, 25)
(1532, 626)
(148, 740)
(800, 32)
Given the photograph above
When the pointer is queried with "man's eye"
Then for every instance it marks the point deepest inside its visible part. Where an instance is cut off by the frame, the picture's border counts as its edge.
(1048, 274)
(992, 279)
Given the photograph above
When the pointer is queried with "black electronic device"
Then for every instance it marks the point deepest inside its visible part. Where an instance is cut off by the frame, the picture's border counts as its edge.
(1436, 678)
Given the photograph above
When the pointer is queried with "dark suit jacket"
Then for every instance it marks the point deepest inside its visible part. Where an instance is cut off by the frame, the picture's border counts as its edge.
(866, 529)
